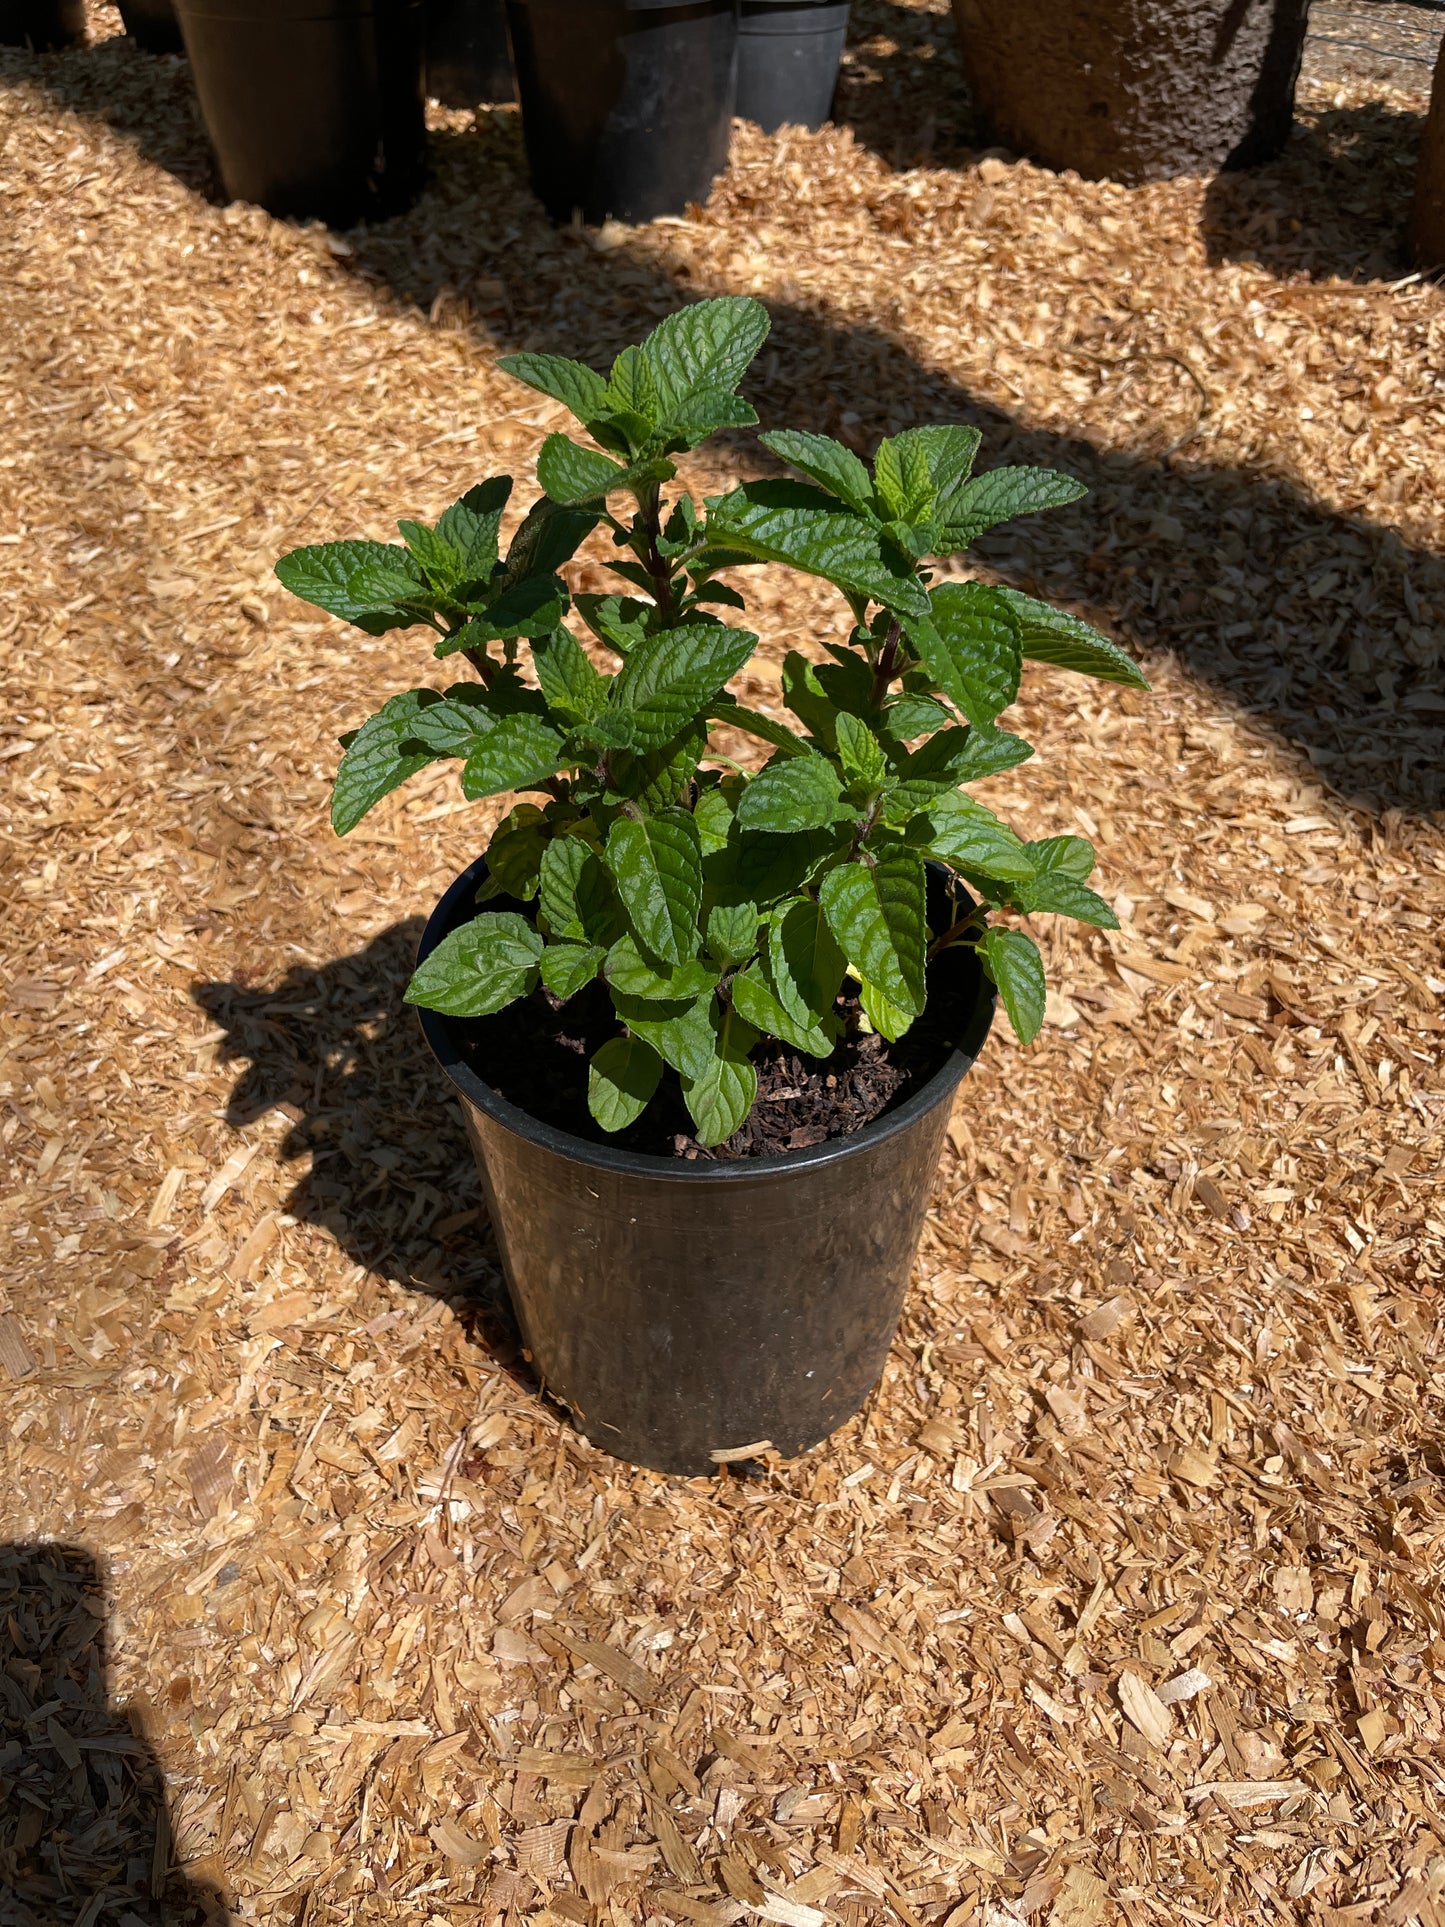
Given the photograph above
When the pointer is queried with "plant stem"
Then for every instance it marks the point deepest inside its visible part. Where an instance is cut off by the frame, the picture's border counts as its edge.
(651, 530)
(886, 666)
(483, 664)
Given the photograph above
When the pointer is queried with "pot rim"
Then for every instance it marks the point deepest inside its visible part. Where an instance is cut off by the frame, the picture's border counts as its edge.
(437, 1028)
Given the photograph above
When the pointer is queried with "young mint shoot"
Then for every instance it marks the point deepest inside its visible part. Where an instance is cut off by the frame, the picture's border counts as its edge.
(718, 908)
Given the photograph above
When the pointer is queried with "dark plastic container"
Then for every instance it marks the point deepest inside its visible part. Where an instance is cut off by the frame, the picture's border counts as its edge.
(788, 60)
(42, 25)
(685, 1310)
(152, 25)
(467, 58)
(626, 104)
(314, 107)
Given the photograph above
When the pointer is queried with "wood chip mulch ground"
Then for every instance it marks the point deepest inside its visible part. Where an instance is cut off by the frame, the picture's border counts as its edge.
(1121, 1601)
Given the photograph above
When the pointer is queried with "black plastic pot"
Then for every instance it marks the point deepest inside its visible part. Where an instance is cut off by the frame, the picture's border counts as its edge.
(152, 25)
(626, 104)
(467, 58)
(685, 1310)
(788, 59)
(41, 25)
(314, 107)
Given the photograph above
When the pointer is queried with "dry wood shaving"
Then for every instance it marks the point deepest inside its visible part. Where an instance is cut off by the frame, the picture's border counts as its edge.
(1121, 1600)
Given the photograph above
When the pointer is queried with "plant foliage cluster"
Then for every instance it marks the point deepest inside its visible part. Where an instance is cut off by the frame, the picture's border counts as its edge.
(718, 907)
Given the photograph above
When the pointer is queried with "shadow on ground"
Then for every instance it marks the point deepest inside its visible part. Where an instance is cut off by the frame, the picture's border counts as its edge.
(901, 89)
(1325, 626)
(389, 1174)
(1333, 204)
(85, 1835)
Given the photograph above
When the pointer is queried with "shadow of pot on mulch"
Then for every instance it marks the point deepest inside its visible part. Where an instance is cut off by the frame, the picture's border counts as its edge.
(389, 1173)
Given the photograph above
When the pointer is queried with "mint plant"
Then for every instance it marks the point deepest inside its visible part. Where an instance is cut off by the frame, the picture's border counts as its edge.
(719, 907)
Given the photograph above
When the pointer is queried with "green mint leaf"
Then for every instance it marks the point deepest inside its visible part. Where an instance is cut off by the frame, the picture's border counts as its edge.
(696, 356)
(732, 932)
(549, 536)
(632, 397)
(533, 606)
(970, 647)
(657, 867)
(722, 1094)
(998, 496)
(903, 478)
(514, 855)
(628, 971)
(619, 621)
(1065, 896)
(571, 475)
(826, 462)
(572, 383)
(865, 766)
(1049, 635)
(886, 1017)
(381, 755)
(948, 452)
(805, 695)
(1070, 856)
(909, 716)
(669, 677)
(452, 726)
(566, 967)
(577, 900)
(766, 867)
(621, 1079)
(519, 754)
(713, 816)
(805, 965)
(1013, 962)
(370, 584)
(479, 969)
(441, 564)
(877, 916)
(574, 690)
(767, 728)
(658, 777)
(719, 592)
(754, 1001)
(966, 836)
(796, 523)
(988, 752)
(681, 1034)
(792, 793)
(471, 524)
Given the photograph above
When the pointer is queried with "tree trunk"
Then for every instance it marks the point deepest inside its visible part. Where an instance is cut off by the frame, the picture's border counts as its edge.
(1427, 216)
(1135, 90)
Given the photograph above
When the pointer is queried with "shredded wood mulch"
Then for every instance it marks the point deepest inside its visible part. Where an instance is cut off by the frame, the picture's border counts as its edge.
(1121, 1601)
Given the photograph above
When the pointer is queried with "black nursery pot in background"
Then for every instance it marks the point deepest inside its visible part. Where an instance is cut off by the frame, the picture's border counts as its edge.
(467, 60)
(314, 109)
(626, 104)
(152, 25)
(42, 25)
(788, 57)
(685, 1310)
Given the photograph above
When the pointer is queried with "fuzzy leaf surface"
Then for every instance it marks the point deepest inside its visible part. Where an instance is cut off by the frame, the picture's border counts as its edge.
(971, 648)
(1000, 494)
(382, 754)
(1012, 960)
(826, 462)
(366, 583)
(793, 793)
(656, 864)
(796, 523)
(520, 753)
(479, 969)
(1049, 635)
(566, 967)
(669, 677)
(621, 1079)
(877, 917)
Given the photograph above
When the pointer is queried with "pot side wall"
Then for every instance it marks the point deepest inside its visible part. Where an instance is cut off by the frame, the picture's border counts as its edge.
(1135, 90)
(681, 1317)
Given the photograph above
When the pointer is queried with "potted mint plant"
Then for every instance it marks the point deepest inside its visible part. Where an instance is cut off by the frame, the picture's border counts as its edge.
(707, 1023)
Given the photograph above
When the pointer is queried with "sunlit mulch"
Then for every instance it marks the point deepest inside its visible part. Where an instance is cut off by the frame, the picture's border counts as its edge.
(1121, 1600)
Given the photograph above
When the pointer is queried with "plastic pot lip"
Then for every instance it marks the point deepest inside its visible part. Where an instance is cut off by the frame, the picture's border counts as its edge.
(437, 1029)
